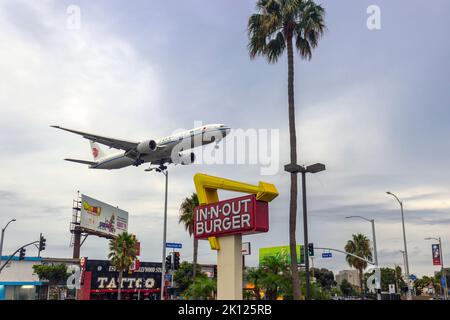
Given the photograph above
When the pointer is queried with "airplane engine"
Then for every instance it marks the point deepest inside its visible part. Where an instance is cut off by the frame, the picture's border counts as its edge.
(186, 158)
(146, 146)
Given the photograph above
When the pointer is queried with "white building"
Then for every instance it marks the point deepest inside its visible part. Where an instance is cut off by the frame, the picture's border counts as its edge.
(351, 276)
(18, 280)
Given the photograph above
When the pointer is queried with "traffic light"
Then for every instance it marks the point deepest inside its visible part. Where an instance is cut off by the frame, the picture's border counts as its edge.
(22, 253)
(42, 243)
(311, 249)
(176, 260)
(169, 262)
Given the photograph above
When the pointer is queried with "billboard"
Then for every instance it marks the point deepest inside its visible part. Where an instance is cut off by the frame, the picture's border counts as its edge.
(103, 218)
(281, 250)
(436, 251)
(243, 215)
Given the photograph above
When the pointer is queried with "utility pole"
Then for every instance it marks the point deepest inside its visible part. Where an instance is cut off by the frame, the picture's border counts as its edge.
(409, 295)
(163, 267)
(314, 168)
(2, 238)
(443, 271)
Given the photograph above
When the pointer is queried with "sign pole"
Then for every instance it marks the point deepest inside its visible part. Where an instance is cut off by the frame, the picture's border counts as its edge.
(229, 268)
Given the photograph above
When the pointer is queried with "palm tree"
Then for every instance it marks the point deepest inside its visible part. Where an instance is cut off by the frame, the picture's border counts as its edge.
(271, 30)
(359, 246)
(122, 253)
(255, 276)
(187, 218)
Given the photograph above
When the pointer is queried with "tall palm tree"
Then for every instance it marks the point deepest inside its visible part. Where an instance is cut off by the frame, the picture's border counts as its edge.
(122, 253)
(187, 218)
(359, 246)
(272, 30)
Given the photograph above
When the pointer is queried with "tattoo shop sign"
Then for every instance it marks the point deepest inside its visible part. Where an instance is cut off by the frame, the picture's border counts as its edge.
(244, 215)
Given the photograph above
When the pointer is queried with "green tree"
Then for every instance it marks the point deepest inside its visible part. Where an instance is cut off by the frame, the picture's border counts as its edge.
(277, 277)
(122, 253)
(187, 218)
(202, 289)
(56, 275)
(272, 276)
(359, 246)
(183, 277)
(346, 288)
(324, 277)
(255, 276)
(274, 28)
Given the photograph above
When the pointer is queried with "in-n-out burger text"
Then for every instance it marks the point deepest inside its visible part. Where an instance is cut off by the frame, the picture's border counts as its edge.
(235, 216)
(238, 215)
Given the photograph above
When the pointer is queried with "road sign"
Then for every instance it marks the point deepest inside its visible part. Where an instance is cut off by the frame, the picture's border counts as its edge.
(168, 277)
(413, 277)
(246, 250)
(391, 288)
(173, 245)
(327, 255)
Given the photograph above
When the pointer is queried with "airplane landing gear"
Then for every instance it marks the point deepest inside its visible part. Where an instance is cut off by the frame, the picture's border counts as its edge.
(138, 162)
(161, 168)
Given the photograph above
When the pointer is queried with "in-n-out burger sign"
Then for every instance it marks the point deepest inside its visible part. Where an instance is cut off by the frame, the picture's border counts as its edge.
(238, 215)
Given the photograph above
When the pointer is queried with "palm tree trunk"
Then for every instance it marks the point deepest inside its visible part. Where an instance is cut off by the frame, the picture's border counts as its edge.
(361, 282)
(119, 285)
(293, 197)
(194, 262)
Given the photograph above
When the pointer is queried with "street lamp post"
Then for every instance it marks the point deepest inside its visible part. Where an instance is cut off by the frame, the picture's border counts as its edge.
(2, 238)
(409, 295)
(163, 269)
(375, 252)
(444, 273)
(314, 168)
(163, 169)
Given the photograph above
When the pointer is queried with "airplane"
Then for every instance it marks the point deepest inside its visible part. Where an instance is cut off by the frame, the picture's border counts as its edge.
(156, 152)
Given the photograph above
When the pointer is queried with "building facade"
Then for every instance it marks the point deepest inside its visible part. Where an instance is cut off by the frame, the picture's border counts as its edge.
(18, 280)
(351, 276)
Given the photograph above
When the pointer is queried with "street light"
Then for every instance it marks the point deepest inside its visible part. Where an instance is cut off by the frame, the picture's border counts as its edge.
(409, 295)
(314, 168)
(163, 169)
(1, 240)
(444, 273)
(375, 253)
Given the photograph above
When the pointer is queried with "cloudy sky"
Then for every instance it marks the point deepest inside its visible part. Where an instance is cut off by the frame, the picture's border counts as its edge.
(371, 104)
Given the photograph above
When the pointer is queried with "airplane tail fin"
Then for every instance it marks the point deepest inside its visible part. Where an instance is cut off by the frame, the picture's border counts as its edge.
(97, 152)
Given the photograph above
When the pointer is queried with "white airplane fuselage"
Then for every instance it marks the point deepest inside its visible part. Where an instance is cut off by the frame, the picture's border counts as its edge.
(165, 147)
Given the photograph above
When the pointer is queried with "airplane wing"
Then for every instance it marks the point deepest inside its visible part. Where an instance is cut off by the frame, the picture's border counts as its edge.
(82, 161)
(110, 142)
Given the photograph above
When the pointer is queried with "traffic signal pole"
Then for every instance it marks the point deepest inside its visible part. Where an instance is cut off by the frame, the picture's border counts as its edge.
(14, 253)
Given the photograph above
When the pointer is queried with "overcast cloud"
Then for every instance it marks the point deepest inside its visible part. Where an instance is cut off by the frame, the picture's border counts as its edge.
(371, 105)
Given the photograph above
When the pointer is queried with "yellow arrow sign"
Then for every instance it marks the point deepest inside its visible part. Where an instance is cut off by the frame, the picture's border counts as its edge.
(207, 187)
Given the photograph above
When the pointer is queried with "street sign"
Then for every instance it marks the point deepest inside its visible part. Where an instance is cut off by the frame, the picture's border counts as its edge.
(413, 277)
(443, 280)
(391, 288)
(246, 250)
(173, 245)
(327, 255)
(168, 277)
